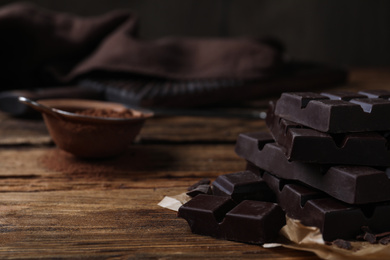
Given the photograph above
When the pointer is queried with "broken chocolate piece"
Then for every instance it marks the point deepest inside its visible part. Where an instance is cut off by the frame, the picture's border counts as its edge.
(334, 114)
(201, 182)
(365, 184)
(308, 145)
(384, 240)
(371, 238)
(241, 186)
(250, 221)
(381, 238)
(200, 189)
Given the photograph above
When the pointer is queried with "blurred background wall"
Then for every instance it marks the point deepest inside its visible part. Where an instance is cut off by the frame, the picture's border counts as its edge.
(343, 32)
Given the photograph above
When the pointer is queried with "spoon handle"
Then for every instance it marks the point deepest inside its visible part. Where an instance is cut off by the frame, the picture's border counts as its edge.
(39, 107)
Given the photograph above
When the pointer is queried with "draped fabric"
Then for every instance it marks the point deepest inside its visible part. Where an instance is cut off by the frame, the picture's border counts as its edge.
(39, 47)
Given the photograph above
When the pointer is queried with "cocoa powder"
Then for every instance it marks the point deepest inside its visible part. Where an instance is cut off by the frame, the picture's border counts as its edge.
(138, 161)
(107, 113)
(61, 161)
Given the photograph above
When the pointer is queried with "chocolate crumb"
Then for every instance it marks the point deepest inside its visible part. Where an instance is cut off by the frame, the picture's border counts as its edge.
(373, 238)
(370, 237)
(384, 240)
(367, 235)
(343, 244)
(201, 182)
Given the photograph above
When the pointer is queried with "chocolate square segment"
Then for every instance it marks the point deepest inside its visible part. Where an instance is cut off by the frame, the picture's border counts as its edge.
(204, 213)
(254, 222)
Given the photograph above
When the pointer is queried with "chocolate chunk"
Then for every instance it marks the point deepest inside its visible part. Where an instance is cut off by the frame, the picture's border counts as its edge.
(384, 240)
(365, 184)
(241, 186)
(201, 182)
(200, 189)
(308, 145)
(334, 218)
(250, 221)
(370, 237)
(334, 114)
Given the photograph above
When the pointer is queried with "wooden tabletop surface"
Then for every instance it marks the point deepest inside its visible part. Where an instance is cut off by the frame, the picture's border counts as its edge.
(108, 208)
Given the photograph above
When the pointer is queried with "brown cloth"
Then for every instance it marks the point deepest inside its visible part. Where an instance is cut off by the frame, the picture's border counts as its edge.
(40, 47)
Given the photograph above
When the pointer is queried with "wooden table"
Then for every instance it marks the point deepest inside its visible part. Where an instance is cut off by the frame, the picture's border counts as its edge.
(108, 209)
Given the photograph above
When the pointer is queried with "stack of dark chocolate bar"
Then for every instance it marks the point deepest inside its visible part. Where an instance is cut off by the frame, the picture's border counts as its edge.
(326, 159)
(324, 162)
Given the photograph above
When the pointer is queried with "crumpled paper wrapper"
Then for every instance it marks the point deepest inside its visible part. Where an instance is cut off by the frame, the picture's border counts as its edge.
(174, 202)
(294, 235)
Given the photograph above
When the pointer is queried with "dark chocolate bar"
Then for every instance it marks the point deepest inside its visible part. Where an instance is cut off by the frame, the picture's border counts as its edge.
(241, 186)
(308, 145)
(334, 218)
(337, 112)
(254, 222)
(351, 184)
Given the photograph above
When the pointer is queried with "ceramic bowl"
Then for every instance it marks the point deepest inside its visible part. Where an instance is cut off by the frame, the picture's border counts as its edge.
(89, 136)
